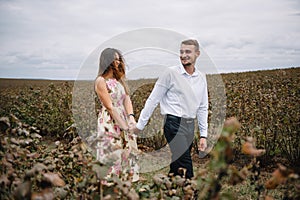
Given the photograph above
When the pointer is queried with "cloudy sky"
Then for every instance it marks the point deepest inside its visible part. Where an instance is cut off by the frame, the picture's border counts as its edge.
(53, 39)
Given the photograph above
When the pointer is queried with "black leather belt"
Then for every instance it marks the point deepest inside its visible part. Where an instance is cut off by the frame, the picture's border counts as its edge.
(181, 119)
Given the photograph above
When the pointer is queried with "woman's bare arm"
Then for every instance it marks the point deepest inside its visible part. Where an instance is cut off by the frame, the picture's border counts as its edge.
(101, 90)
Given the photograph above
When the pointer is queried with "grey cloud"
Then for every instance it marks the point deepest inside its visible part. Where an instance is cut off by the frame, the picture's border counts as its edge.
(50, 34)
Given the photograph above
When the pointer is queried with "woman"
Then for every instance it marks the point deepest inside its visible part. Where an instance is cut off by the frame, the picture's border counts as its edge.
(117, 147)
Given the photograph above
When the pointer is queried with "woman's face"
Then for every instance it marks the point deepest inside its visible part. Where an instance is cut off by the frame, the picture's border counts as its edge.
(117, 60)
(118, 68)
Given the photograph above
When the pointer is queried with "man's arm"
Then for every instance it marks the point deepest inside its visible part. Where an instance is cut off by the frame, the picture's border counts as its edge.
(202, 116)
(155, 97)
(159, 91)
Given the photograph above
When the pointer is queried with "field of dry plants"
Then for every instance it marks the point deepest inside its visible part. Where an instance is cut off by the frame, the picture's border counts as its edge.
(256, 154)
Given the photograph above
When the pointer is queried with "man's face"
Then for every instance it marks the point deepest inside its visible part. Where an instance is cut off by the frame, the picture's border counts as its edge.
(188, 55)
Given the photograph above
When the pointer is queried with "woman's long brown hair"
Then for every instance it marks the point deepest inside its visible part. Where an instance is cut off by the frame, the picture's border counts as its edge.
(106, 64)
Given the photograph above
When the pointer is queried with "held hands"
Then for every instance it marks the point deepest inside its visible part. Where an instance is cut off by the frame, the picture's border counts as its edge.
(135, 130)
(202, 144)
(131, 124)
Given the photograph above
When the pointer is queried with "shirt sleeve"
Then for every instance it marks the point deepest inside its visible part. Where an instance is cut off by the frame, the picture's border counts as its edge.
(202, 112)
(158, 92)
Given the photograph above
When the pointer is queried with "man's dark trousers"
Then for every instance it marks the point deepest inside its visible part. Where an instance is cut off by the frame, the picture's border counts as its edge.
(179, 133)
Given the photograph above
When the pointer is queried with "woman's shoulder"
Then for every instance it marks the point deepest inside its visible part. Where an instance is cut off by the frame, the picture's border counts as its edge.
(104, 79)
(100, 82)
(99, 79)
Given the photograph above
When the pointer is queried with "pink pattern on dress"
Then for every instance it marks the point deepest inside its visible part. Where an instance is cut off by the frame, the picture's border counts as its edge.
(116, 148)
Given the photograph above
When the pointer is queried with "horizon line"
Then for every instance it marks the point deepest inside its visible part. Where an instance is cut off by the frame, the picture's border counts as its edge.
(232, 72)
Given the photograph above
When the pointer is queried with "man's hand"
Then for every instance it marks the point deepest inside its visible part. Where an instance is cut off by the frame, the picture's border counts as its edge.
(134, 129)
(202, 144)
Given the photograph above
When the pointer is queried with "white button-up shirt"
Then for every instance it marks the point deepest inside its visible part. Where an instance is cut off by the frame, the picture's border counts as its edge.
(179, 94)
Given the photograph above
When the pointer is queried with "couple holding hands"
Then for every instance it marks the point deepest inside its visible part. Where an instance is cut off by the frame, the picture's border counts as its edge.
(182, 94)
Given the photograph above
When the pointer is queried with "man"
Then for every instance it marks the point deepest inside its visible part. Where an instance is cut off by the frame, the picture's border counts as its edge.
(182, 94)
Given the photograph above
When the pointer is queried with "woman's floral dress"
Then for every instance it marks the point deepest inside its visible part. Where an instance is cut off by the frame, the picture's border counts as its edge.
(115, 148)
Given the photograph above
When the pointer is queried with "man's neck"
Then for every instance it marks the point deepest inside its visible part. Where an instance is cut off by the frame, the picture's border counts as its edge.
(190, 69)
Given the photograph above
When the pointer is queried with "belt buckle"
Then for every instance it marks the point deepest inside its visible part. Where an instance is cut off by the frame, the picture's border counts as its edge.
(188, 121)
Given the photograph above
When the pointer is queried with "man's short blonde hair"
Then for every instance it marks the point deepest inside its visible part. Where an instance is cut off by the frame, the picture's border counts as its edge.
(191, 42)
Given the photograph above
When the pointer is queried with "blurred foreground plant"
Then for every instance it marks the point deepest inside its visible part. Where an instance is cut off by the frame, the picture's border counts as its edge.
(33, 169)
(207, 183)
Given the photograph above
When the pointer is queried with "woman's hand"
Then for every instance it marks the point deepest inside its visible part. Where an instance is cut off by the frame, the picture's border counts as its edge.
(131, 122)
(124, 126)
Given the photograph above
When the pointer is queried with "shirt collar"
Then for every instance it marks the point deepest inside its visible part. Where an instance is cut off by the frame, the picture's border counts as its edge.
(182, 71)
